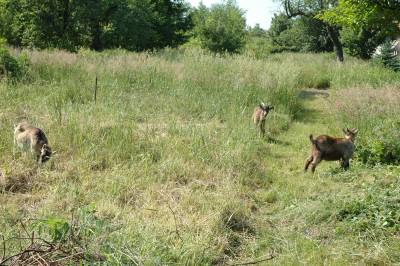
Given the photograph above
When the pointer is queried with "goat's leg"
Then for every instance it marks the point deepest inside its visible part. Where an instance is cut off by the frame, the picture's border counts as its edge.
(308, 161)
(14, 148)
(262, 127)
(314, 163)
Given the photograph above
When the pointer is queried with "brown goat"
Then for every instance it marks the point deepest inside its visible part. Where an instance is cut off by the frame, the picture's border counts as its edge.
(259, 115)
(332, 149)
(33, 139)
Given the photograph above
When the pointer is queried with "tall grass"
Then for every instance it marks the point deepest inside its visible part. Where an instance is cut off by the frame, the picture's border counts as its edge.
(167, 158)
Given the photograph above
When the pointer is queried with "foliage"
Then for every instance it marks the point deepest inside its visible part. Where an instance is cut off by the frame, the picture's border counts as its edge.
(12, 67)
(220, 28)
(313, 9)
(258, 43)
(67, 24)
(361, 43)
(299, 35)
(371, 14)
(381, 144)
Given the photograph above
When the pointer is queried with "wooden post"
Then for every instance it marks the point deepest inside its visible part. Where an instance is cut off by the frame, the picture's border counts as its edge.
(95, 90)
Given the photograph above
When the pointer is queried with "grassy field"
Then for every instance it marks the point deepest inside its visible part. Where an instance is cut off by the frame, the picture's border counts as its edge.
(166, 167)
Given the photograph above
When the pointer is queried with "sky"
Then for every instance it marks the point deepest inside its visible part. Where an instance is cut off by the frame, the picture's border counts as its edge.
(257, 11)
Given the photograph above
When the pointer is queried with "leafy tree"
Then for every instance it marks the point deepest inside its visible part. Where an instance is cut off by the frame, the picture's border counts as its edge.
(97, 24)
(361, 43)
(312, 9)
(221, 28)
(370, 14)
(300, 35)
(257, 31)
(366, 23)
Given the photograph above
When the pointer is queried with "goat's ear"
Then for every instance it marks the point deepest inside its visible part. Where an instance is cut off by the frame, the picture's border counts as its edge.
(355, 131)
(271, 108)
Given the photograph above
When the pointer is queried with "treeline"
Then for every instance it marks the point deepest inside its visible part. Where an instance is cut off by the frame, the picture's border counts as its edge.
(353, 26)
(95, 24)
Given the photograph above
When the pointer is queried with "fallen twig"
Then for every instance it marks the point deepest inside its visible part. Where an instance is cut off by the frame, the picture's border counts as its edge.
(256, 261)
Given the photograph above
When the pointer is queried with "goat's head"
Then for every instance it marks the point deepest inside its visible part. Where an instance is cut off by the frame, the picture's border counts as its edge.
(350, 133)
(266, 108)
(45, 153)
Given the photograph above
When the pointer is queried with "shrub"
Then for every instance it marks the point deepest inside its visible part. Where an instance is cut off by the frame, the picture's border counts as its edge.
(11, 67)
(381, 144)
(221, 28)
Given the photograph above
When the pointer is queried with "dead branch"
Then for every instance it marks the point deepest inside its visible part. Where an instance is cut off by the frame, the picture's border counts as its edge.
(256, 261)
(42, 252)
(176, 224)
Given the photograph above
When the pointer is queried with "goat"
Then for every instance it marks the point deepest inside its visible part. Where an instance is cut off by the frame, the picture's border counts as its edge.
(332, 149)
(28, 137)
(259, 115)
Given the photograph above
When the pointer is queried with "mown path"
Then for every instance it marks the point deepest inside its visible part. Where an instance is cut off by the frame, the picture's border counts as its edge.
(300, 196)
(293, 146)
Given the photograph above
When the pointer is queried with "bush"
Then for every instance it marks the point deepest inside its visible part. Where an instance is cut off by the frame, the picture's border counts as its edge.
(381, 145)
(220, 28)
(11, 67)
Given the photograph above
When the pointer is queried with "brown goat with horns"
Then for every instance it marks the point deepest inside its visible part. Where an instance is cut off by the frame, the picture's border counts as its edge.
(332, 149)
(259, 115)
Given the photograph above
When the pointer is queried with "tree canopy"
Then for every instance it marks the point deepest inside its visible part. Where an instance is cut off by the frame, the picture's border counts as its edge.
(221, 28)
(311, 9)
(96, 24)
(371, 14)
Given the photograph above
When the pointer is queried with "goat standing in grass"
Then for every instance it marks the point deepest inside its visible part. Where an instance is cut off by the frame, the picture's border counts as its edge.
(259, 115)
(31, 138)
(332, 149)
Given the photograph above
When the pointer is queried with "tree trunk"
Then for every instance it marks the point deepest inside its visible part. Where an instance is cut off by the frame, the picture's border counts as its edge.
(333, 33)
(66, 15)
(96, 38)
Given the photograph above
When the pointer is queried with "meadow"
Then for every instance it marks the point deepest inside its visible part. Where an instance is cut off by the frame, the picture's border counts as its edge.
(166, 168)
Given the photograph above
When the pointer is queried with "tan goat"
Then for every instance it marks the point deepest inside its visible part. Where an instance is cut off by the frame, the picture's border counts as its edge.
(332, 149)
(259, 115)
(33, 139)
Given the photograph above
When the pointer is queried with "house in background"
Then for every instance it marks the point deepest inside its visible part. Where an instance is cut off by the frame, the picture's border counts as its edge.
(395, 46)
